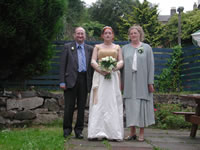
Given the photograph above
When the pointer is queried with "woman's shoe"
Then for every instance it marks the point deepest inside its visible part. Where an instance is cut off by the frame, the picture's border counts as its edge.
(129, 138)
(141, 139)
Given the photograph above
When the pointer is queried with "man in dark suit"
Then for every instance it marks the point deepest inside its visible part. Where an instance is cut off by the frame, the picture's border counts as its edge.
(76, 80)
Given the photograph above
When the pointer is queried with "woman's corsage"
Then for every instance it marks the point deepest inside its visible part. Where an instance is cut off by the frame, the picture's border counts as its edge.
(141, 50)
(72, 48)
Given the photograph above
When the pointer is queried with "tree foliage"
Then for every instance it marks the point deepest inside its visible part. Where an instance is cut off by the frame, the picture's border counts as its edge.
(76, 15)
(108, 12)
(27, 29)
(74, 11)
(190, 23)
(93, 30)
(146, 15)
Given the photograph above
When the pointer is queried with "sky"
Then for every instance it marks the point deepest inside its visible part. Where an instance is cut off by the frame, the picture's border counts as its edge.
(164, 6)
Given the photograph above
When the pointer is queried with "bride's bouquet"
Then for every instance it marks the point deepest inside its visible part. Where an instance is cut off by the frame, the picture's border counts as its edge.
(107, 64)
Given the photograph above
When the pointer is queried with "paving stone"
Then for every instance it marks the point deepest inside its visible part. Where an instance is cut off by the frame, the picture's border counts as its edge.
(154, 138)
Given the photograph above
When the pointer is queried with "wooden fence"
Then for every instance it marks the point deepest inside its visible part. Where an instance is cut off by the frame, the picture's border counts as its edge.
(190, 68)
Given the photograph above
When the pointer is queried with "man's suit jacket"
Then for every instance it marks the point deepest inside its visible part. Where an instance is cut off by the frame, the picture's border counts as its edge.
(69, 65)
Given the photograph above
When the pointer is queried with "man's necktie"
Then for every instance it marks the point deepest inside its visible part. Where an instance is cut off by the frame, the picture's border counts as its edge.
(81, 59)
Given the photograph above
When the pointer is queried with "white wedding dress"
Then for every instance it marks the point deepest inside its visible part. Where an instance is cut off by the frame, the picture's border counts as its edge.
(106, 107)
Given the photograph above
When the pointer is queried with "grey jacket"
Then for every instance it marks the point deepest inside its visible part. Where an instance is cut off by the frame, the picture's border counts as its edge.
(136, 83)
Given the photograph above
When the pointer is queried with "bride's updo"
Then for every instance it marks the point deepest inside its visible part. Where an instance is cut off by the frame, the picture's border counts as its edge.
(109, 28)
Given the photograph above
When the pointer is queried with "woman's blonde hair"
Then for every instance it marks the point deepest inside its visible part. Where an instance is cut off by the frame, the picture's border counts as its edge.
(139, 29)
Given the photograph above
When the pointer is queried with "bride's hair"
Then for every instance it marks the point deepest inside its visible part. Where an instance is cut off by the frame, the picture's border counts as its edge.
(109, 28)
(106, 27)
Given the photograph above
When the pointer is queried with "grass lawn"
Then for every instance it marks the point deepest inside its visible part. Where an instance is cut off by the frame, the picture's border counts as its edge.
(46, 137)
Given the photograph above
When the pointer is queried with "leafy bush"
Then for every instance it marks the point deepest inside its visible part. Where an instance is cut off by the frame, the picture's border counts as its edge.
(165, 118)
(176, 122)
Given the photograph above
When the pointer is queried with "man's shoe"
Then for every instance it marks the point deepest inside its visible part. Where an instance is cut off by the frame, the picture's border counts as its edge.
(67, 133)
(79, 136)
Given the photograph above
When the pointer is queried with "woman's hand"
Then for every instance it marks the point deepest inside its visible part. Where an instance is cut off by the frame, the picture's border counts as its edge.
(98, 69)
(151, 88)
(104, 73)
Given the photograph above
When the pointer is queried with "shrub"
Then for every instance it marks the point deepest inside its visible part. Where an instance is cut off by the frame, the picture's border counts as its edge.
(165, 118)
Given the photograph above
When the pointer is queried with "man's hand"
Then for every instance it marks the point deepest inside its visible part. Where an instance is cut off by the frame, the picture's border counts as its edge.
(63, 86)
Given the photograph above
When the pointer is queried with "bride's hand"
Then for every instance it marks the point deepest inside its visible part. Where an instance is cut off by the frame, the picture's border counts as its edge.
(104, 73)
(101, 71)
(115, 69)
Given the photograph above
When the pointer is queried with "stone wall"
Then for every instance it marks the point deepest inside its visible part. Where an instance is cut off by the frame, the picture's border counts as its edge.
(174, 99)
(40, 107)
(30, 107)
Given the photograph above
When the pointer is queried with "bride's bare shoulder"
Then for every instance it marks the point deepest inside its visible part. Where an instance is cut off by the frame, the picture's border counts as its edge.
(99, 45)
(117, 46)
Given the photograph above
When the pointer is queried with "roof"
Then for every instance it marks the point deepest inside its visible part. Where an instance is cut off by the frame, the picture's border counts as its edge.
(164, 18)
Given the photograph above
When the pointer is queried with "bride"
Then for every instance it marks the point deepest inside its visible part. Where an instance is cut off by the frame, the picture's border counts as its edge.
(106, 107)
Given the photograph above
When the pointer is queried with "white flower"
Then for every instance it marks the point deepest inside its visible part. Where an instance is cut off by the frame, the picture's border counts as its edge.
(107, 64)
(72, 48)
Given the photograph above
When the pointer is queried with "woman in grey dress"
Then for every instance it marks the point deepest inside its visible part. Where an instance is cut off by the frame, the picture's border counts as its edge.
(138, 80)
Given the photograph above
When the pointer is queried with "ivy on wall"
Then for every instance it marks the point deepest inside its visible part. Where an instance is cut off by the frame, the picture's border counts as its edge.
(170, 78)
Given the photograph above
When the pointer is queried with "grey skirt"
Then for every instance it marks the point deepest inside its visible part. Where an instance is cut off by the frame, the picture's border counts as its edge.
(139, 112)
